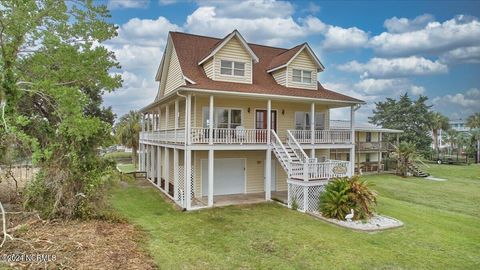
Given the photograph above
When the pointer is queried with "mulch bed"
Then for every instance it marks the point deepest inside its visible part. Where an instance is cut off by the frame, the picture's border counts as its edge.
(75, 244)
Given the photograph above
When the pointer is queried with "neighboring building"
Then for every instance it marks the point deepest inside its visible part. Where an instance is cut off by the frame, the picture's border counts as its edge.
(234, 121)
(455, 124)
(372, 152)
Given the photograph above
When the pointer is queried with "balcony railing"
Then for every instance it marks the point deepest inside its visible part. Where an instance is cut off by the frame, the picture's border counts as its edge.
(374, 146)
(323, 136)
(168, 135)
(319, 170)
(229, 136)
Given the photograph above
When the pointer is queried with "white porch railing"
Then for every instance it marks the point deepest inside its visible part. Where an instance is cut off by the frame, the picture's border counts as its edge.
(296, 148)
(168, 135)
(319, 170)
(229, 136)
(323, 136)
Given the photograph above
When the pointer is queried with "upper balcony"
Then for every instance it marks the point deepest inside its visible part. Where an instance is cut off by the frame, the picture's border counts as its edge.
(240, 135)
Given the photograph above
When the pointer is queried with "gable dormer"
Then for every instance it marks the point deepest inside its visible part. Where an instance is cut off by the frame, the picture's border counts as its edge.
(297, 68)
(231, 60)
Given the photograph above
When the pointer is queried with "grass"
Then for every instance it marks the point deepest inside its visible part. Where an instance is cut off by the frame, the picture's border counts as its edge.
(126, 168)
(118, 155)
(442, 229)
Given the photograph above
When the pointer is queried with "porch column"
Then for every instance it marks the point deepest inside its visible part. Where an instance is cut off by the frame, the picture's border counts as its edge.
(159, 118)
(147, 154)
(152, 161)
(166, 115)
(175, 173)
(379, 151)
(159, 165)
(268, 158)
(352, 150)
(312, 123)
(210, 176)
(176, 113)
(167, 169)
(188, 119)
(188, 178)
(269, 120)
(210, 122)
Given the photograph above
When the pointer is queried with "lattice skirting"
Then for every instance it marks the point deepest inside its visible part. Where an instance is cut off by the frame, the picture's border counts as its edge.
(305, 196)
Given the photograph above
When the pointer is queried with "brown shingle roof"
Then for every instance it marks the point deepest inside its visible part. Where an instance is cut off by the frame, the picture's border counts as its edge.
(284, 57)
(191, 48)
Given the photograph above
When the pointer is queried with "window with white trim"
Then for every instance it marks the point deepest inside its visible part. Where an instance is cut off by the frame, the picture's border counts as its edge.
(303, 76)
(232, 68)
(222, 117)
(302, 120)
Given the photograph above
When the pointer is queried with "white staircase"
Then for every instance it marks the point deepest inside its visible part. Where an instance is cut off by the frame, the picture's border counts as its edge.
(299, 166)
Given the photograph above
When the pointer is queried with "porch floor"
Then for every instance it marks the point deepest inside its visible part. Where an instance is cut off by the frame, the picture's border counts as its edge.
(235, 199)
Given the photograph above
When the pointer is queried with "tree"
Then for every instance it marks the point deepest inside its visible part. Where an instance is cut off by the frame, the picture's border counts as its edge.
(405, 152)
(438, 122)
(473, 122)
(413, 117)
(127, 132)
(451, 138)
(54, 74)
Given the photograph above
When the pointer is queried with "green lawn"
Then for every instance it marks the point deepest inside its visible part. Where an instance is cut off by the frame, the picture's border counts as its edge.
(126, 168)
(442, 229)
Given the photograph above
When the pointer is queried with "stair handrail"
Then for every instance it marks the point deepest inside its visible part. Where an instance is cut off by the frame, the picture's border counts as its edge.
(291, 139)
(277, 140)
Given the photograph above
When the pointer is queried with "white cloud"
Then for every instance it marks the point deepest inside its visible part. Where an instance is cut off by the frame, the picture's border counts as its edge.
(145, 32)
(459, 104)
(113, 4)
(396, 67)
(271, 31)
(434, 38)
(338, 38)
(402, 25)
(250, 9)
(371, 91)
(167, 2)
(462, 55)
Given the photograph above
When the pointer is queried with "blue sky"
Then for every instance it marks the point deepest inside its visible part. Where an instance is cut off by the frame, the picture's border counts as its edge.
(371, 49)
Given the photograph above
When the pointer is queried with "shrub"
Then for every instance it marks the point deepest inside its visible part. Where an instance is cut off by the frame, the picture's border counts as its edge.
(343, 194)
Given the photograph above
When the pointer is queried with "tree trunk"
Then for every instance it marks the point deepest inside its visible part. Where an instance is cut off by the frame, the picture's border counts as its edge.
(435, 139)
(134, 156)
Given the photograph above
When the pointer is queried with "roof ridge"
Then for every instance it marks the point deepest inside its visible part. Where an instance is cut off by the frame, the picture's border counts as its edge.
(219, 39)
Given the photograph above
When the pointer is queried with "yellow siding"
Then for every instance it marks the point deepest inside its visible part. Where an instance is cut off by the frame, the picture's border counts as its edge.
(171, 167)
(181, 110)
(208, 67)
(362, 136)
(171, 115)
(255, 172)
(284, 121)
(174, 76)
(320, 153)
(280, 76)
(233, 50)
(305, 62)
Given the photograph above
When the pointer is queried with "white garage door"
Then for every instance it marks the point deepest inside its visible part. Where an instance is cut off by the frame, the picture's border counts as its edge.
(228, 176)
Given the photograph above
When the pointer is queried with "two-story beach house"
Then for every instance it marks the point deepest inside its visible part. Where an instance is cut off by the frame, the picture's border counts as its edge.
(238, 122)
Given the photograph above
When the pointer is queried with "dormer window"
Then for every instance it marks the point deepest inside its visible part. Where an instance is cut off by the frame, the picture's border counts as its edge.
(303, 76)
(232, 68)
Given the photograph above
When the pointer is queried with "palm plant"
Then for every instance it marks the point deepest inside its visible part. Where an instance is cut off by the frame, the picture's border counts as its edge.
(334, 202)
(438, 122)
(451, 139)
(127, 132)
(473, 122)
(343, 194)
(405, 152)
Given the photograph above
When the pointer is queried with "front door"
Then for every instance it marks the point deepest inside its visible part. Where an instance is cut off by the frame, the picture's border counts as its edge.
(261, 123)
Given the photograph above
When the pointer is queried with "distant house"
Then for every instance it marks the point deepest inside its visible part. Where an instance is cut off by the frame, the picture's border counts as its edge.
(455, 124)
(372, 150)
(239, 122)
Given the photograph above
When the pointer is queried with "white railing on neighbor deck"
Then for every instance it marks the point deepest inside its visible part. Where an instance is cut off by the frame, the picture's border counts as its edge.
(319, 170)
(322, 136)
(229, 136)
(175, 135)
(339, 124)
